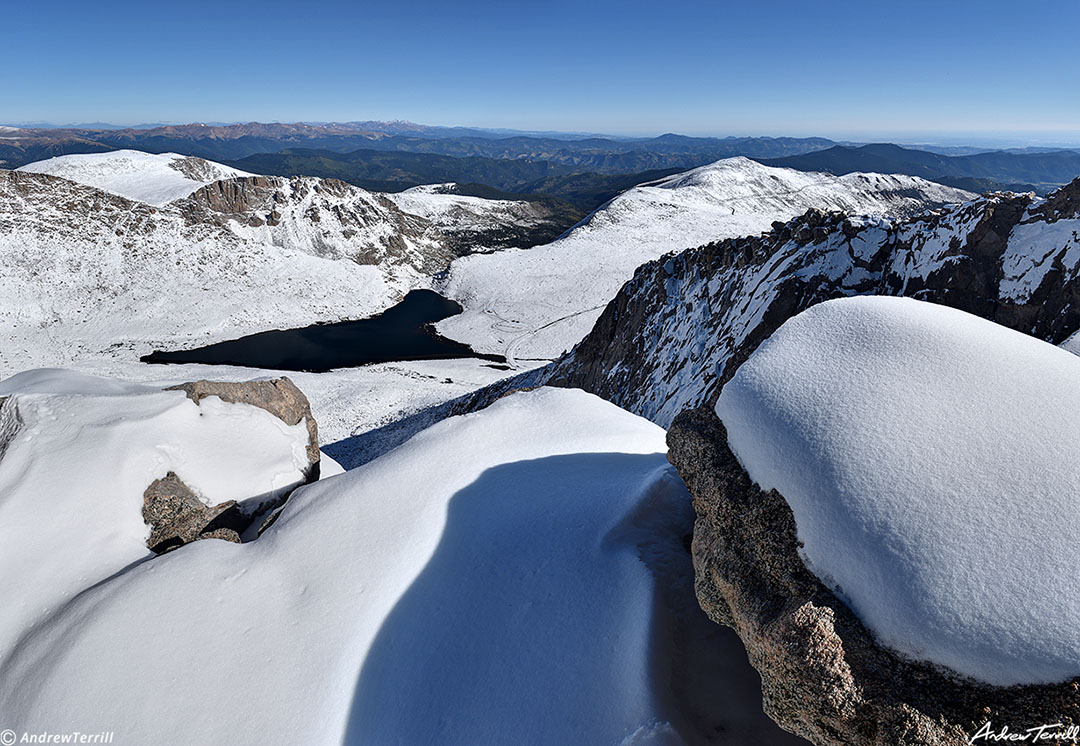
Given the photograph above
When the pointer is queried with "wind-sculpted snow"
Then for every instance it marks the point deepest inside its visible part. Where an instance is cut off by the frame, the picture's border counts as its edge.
(932, 463)
(685, 322)
(143, 177)
(75, 467)
(538, 303)
(512, 576)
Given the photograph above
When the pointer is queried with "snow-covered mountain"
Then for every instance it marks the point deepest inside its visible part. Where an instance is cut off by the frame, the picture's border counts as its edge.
(686, 321)
(472, 224)
(91, 273)
(88, 273)
(538, 303)
(156, 179)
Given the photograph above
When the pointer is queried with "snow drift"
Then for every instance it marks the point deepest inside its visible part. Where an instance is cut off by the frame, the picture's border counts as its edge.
(930, 459)
(494, 580)
(76, 455)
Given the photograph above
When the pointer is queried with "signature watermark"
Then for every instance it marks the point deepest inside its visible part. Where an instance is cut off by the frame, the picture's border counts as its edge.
(1050, 732)
(9, 737)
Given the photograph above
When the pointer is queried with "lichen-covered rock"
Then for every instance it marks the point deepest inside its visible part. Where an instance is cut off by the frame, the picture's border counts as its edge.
(177, 516)
(823, 675)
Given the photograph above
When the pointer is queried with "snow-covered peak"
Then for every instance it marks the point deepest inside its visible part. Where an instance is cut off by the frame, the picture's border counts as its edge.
(930, 460)
(745, 189)
(577, 275)
(156, 179)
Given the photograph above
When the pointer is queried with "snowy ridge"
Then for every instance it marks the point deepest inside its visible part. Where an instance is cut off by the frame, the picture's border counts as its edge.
(537, 304)
(144, 177)
(930, 460)
(685, 322)
(236, 256)
(323, 217)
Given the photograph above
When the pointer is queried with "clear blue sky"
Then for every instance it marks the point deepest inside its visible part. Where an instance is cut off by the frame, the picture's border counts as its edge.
(842, 69)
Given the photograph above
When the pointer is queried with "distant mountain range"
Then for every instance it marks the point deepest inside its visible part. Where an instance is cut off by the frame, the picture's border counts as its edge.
(231, 142)
(521, 163)
(567, 190)
(1018, 170)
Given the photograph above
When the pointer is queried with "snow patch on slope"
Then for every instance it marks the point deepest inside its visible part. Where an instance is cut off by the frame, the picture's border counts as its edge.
(156, 179)
(930, 459)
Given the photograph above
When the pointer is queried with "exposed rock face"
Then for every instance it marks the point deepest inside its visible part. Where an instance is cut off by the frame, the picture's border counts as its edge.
(823, 676)
(176, 514)
(679, 329)
(10, 422)
(325, 217)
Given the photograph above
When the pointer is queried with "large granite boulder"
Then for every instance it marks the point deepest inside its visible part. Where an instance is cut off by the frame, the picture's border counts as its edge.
(823, 675)
(174, 511)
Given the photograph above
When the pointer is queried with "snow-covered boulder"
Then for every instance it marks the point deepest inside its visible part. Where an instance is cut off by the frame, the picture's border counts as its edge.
(79, 456)
(886, 516)
(515, 575)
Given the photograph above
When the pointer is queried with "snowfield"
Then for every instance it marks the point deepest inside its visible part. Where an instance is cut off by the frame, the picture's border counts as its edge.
(497, 579)
(144, 177)
(533, 305)
(931, 460)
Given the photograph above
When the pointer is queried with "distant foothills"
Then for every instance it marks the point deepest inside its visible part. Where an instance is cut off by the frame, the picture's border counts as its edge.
(574, 173)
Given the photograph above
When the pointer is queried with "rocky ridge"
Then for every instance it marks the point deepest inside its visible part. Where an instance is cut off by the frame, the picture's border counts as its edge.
(678, 330)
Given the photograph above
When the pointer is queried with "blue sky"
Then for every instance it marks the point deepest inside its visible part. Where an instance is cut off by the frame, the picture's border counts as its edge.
(900, 70)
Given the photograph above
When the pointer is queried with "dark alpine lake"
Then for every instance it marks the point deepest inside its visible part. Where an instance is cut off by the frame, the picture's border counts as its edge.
(402, 332)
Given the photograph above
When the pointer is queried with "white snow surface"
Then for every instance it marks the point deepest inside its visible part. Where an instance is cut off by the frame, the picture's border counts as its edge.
(536, 303)
(156, 179)
(494, 580)
(77, 453)
(930, 458)
(439, 202)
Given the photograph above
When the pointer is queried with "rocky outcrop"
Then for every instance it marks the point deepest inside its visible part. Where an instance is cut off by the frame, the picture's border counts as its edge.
(823, 675)
(10, 422)
(177, 515)
(679, 329)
